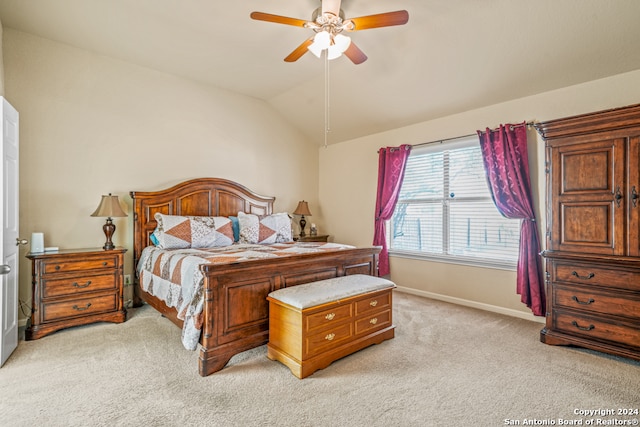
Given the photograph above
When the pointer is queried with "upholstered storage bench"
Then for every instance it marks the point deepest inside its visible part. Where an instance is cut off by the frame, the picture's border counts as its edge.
(312, 325)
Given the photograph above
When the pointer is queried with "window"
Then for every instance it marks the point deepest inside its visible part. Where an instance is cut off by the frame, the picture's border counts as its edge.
(445, 211)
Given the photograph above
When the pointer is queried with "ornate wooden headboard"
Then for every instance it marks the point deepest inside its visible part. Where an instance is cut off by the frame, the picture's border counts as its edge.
(196, 197)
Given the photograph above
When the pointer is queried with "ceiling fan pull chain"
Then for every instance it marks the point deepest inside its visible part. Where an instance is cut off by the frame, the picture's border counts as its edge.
(326, 97)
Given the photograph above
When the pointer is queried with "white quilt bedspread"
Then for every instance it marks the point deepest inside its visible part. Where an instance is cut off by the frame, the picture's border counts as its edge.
(174, 275)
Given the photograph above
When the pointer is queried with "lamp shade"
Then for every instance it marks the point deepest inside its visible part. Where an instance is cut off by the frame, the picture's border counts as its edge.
(109, 207)
(302, 209)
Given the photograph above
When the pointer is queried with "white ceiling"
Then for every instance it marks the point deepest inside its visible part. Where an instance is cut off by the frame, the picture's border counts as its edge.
(452, 56)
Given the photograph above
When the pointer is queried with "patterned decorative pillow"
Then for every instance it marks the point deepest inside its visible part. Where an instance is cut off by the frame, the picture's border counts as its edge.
(200, 232)
(274, 228)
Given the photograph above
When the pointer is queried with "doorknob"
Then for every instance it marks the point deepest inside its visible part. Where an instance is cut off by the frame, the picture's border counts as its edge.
(20, 241)
(5, 269)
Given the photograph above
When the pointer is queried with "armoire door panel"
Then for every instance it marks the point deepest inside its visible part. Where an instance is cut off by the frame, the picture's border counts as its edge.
(575, 163)
(589, 169)
(587, 197)
(587, 223)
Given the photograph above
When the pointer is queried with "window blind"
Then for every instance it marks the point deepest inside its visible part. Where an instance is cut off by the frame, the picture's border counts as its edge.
(445, 208)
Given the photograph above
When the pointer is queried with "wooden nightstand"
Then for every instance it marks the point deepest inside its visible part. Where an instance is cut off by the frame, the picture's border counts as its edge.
(75, 287)
(308, 238)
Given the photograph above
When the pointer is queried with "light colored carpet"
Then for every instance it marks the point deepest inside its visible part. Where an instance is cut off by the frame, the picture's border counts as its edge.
(448, 366)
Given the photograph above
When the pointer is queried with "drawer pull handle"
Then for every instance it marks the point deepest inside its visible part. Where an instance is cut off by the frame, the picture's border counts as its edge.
(587, 277)
(330, 337)
(75, 307)
(373, 321)
(583, 328)
(57, 267)
(373, 303)
(76, 285)
(105, 263)
(330, 316)
(590, 301)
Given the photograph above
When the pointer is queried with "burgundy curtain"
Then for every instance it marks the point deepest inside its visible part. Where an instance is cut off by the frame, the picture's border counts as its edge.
(506, 163)
(391, 166)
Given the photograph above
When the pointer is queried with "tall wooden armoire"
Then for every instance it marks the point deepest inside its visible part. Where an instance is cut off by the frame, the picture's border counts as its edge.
(592, 251)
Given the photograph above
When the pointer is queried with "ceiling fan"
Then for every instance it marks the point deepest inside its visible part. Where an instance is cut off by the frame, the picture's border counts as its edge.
(328, 23)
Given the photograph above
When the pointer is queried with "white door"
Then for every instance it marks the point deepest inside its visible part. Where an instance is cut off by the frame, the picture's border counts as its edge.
(9, 231)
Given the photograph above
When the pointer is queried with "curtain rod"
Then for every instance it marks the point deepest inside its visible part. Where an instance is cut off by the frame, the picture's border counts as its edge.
(528, 124)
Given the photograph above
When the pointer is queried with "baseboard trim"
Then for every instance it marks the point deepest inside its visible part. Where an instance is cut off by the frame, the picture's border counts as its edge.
(472, 304)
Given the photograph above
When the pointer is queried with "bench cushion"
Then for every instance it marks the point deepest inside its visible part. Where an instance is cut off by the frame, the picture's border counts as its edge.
(324, 291)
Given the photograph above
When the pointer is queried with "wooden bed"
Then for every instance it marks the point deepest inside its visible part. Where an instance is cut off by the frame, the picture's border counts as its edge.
(235, 316)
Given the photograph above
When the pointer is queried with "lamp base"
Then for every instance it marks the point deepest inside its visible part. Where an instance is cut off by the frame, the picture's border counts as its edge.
(109, 228)
(303, 223)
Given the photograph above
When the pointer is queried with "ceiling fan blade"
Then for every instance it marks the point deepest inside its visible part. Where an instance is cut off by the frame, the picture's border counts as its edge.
(261, 16)
(331, 6)
(354, 53)
(399, 17)
(299, 51)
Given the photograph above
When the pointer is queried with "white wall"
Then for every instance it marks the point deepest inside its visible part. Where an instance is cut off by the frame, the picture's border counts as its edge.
(348, 179)
(91, 125)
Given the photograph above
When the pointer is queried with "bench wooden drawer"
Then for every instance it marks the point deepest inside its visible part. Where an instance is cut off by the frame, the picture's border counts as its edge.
(373, 321)
(331, 337)
(328, 318)
(376, 302)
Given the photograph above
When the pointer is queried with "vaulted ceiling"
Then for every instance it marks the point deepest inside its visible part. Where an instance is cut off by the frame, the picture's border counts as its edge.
(452, 56)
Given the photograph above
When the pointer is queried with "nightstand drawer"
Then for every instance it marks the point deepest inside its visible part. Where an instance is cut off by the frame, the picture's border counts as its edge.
(60, 287)
(79, 307)
(63, 266)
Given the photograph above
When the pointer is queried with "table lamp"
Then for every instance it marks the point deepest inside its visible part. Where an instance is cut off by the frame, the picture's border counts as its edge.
(302, 209)
(109, 207)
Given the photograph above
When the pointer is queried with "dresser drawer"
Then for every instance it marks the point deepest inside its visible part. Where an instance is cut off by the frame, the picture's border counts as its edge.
(330, 337)
(79, 307)
(582, 298)
(596, 275)
(74, 285)
(328, 318)
(376, 302)
(373, 321)
(79, 264)
(598, 328)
